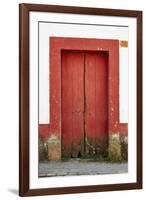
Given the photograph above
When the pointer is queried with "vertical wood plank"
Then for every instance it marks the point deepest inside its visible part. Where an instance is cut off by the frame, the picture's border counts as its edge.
(90, 104)
(96, 118)
(72, 103)
(101, 96)
(77, 104)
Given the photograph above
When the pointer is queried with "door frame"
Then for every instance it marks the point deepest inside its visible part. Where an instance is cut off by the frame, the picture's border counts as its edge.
(57, 44)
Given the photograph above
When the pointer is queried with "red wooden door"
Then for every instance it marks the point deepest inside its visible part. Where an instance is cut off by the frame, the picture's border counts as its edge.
(84, 103)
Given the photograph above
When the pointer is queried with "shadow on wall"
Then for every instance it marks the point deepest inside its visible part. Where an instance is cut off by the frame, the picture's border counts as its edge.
(13, 191)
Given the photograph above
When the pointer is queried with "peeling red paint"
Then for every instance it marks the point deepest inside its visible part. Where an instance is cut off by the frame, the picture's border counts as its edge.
(44, 131)
(123, 128)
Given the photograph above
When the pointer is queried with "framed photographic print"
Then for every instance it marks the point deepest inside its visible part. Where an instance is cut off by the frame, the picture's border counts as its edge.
(80, 99)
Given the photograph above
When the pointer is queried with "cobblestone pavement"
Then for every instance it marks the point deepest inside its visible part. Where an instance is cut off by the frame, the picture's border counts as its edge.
(80, 167)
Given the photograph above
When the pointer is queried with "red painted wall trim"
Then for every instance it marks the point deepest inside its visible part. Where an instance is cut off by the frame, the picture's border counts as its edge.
(57, 44)
(44, 131)
(123, 128)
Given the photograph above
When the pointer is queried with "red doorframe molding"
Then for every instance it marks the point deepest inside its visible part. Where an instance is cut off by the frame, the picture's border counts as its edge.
(57, 44)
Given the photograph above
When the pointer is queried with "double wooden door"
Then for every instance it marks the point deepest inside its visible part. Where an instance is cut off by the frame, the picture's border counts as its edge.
(84, 103)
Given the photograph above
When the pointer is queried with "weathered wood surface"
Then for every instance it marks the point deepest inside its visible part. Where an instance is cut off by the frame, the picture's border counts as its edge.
(84, 103)
(72, 103)
(96, 93)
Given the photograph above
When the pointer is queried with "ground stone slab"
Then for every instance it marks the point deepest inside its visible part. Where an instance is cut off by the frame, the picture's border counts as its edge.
(80, 167)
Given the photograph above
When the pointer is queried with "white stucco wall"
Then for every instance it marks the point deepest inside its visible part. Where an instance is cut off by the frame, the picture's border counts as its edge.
(73, 30)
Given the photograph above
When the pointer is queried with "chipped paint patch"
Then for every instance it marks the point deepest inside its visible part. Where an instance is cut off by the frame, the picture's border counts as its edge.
(114, 147)
(42, 150)
(54, 148)
(124, 147)
(118, 147)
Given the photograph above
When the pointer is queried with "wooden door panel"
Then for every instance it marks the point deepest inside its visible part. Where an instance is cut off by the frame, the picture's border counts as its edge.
(78, 104)
(96, 92)
(84, 103)
(90, 115)
(102, 95)
(72, 103)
